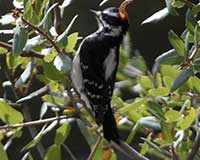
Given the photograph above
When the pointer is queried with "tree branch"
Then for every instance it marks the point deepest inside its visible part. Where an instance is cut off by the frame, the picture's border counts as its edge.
(24, 53)
(43, 34)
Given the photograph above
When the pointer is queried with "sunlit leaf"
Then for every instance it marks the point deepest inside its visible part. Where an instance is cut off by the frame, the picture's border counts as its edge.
(188, 119)
(71, 42)
(167, 132)
(63, 63)
(172, 116)
(53, 153)
(62, 133)
(8, 114)
(7, 19)
(162, 91)
(3, 153)
(50, 57)
(66, 3)
(52, 73)
(178, 3)
(158, 16)
(25, 75)
(145, 82)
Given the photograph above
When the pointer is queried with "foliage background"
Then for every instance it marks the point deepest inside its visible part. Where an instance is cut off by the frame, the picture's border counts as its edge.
(150, 39)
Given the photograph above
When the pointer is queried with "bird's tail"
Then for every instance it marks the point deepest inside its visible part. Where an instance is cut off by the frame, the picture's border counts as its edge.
(109, 127)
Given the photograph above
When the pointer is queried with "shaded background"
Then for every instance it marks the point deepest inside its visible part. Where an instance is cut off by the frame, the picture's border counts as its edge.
(151, 40)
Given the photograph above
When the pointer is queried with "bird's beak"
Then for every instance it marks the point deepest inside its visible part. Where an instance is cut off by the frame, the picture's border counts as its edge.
(122, 9)
(97, 13)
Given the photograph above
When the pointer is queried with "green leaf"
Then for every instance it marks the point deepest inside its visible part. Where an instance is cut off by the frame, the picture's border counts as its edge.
(145, 82)
(33, 10)
(145, 146)
(195, 81)
(178, 4)
(176, 42)
(117, 101)
(172, 116)
(39, 136)
(170, 57)
(19, 40)
(196, 65)
(52, 73)
(190, 21)
(71, 42)
(12, 61)
(162, 91)
(3, 153)
(167, 132)
(167, 81)
(186, 48)
(87, 134)
(8, 114)
(170, 7)
(187, 120)
(54, 153)
(168, 70)
(133, 132)
(3, 50)
(62, 39)
(63, 63)
(181, 78)
(133, 105)
(62, 133)
(50, 57)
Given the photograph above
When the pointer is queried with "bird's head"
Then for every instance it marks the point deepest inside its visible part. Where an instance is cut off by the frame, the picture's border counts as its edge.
(113, 18)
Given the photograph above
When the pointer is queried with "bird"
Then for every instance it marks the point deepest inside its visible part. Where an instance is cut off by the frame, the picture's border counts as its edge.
(95, 66)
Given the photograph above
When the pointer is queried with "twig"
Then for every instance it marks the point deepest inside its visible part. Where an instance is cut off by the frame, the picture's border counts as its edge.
(69, 151)
(27, 117)
(24, 53)
(34, 123)
(94, 148)
(43, 34)
(188, 3)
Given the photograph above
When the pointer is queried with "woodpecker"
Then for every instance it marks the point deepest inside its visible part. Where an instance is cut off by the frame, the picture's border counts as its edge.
(95, 65)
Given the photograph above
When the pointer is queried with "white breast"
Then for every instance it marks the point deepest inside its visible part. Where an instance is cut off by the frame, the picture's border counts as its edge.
(110, 63)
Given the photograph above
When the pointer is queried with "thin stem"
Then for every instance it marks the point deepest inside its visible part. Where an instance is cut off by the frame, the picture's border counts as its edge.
(34, 123)
(43, 34)
(188, 3)
(69, 151)
(94, 148)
